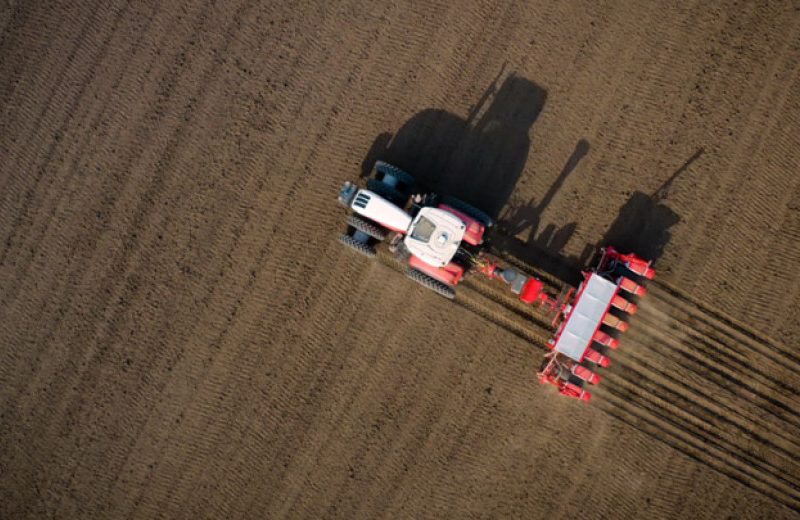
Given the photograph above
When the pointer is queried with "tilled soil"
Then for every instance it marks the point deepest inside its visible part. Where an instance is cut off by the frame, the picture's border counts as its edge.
(183, 336)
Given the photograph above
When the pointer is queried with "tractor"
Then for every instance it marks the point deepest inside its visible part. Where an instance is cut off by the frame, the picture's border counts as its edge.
(441, 238)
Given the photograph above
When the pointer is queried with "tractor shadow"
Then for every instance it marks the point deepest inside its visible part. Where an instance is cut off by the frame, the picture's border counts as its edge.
(520, 236)
(478, 158)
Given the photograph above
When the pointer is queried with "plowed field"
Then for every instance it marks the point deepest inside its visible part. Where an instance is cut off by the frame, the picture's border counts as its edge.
(182, 336)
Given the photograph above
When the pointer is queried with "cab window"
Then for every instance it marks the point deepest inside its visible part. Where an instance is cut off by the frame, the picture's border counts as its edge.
(423, 230)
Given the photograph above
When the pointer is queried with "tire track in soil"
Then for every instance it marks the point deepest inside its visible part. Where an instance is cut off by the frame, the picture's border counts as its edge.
(128, 243)
(325, 208)
(326, 125)
(75, 178)
(294, 383)
(48, 343)
(143, 215)
(726, 423)
(715, 352)
(729, 328)
(63, 64)
(715, 363)
(634, 98)
(752, 205)
(164, 482)
(198, 370)
(70, 108)
(474, 297)
(107, 197)
(23, 233)
(393, 342)
(202, 370)
(729, 393)
(290, 506)
(740, 211)
(148, 198)
(110, 329)
(629, 409)
(783, 251)
(703, 414)
(317, 334)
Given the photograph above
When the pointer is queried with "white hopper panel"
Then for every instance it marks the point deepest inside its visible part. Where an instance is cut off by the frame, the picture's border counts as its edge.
(592, 303)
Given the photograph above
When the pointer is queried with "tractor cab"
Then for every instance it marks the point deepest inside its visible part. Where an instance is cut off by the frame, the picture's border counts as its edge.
(434, 236)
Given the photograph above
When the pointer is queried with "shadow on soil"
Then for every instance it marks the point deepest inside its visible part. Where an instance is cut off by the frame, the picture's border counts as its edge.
(643, 224)
(480, 158)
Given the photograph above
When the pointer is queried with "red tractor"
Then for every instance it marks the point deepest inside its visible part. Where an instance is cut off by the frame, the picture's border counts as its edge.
(442, 238)
(439, 235)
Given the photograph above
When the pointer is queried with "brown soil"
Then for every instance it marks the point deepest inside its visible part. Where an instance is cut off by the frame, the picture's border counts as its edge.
(182, 336)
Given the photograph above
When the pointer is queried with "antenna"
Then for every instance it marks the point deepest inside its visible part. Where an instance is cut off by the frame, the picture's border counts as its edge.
(473, 112)
(663, 191)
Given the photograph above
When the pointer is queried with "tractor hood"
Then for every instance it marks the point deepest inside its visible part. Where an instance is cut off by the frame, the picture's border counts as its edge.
(380, 210)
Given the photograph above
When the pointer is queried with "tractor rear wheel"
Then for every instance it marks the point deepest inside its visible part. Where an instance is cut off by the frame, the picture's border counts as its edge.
(367, 227)
(432, 283)
(400, 175)
(387, 192)
(469, 210)
(358, 246)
